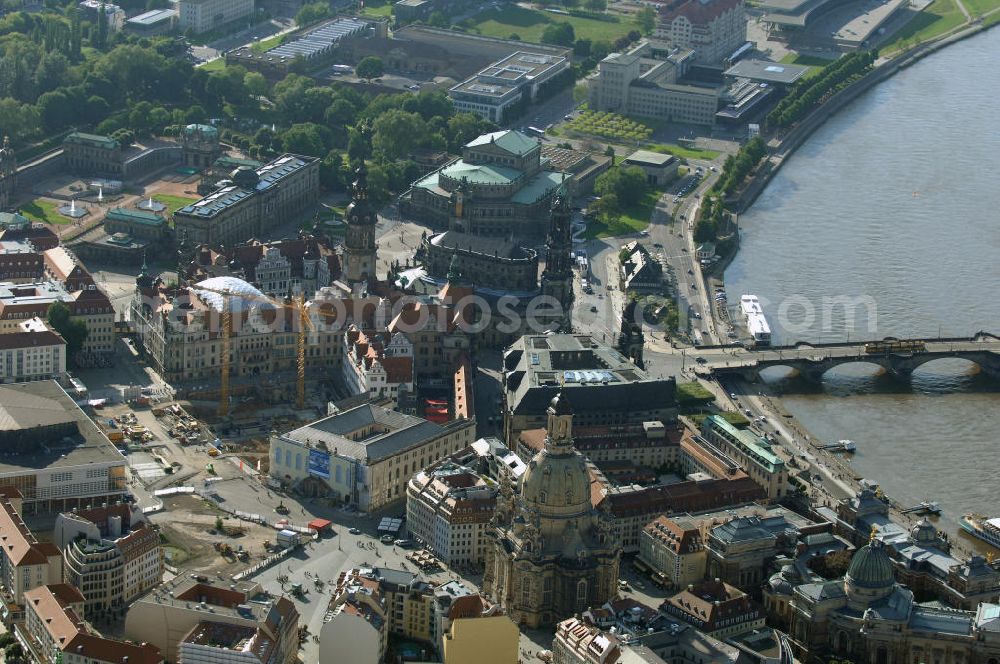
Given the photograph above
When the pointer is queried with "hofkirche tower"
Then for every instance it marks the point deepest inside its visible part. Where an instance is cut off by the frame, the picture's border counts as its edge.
(552, 553)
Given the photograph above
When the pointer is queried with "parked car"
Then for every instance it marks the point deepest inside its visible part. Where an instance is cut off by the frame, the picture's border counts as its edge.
(355, 531)
(386, 539)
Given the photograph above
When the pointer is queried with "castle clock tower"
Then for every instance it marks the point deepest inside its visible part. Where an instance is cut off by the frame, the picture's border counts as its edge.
(360, 256)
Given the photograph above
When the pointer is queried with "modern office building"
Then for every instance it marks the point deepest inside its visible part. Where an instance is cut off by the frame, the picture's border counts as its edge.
(110, 556)
(713, 29)
(55, 455)
(499, 187)
(605, 387)
(490, 93)
(651, 81)
(200, 16)
(364, 456)
(280, 191)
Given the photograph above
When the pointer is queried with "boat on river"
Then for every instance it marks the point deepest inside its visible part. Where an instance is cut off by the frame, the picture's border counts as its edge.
(986, 529)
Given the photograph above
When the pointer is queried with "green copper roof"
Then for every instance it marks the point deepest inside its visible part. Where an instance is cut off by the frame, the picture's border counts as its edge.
(539, 187)
(481, 173)
(138, 216)
(754, 445)
(92, 139)
(510, 140)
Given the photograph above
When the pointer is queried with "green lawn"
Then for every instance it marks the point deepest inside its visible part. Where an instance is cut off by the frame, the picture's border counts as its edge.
(267, 44)
(215, 65)
(693, 392)
(938, 18)
(980, 7)
(173, 203)
(634, 218)
(376, 10)
(683, 152)
(45, 212)
(815, 64)
(529, 24)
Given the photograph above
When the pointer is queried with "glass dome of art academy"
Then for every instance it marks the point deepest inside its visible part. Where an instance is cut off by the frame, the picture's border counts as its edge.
(241, 294)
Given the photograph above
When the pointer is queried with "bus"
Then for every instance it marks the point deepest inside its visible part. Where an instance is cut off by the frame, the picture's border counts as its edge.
(536, 131)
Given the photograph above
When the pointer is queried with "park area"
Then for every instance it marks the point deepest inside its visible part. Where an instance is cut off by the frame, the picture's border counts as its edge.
(529, 24)
(610, 126)
(173, 203)
(44, 211)
(936, 19)
(631, 218)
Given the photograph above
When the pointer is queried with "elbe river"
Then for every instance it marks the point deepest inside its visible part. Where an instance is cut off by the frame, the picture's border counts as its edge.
(893, 207)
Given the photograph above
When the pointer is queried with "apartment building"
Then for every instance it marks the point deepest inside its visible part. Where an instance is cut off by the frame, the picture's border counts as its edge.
(448, 507)
(34, 352)
(54, 632)
(379, 364)
(674, 551)
(715, 608)
(20, 302)
(167, 617)
(19, 261)
(110, 560)
(25, 563)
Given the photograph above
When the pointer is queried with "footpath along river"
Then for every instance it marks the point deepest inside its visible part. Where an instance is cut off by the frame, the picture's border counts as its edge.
(895, 204)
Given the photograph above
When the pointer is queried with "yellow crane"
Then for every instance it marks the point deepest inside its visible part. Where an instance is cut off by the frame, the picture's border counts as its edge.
(300, 352)
(225, 337)
(226, 329)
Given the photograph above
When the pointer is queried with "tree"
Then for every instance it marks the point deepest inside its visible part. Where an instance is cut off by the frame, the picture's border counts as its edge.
(627, 184)
(369, 68)
(596, 5)
(559, 33)
(581, 47)
(647, 20)
(305, 138)
(396, 133)
(255, 84)
(218, 523)
(608, 209)
(438, 19)
(312, 13)
(73, 330)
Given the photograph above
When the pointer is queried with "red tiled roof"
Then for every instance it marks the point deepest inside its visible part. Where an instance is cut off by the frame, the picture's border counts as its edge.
(696, 11)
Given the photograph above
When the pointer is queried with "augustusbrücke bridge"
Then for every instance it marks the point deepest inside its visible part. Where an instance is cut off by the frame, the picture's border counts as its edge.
(899, 358)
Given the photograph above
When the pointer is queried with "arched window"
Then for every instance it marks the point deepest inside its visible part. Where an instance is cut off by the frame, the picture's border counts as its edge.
(339, 472)
(581, 594)
(298, 462)
(542, 497)
(277, 455)
(288, 458)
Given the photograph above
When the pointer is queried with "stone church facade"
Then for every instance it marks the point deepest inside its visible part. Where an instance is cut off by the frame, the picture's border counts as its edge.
(551, 554)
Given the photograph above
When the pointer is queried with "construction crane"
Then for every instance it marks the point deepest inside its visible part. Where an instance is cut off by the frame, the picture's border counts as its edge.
(225, 335)
(226, 329)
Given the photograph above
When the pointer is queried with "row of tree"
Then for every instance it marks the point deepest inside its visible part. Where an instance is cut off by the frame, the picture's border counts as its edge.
(807, 94)
(738, 167)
